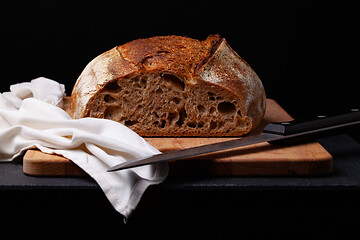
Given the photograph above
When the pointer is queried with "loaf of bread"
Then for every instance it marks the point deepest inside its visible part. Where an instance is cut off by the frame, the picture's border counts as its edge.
(172, 86)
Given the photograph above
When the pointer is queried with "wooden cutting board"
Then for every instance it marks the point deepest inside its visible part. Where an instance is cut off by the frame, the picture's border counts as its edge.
(260, 159)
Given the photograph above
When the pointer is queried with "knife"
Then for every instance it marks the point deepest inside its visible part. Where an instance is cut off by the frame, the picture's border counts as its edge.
(275, 133)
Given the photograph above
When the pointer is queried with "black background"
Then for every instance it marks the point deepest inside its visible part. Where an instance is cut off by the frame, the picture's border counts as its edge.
(305, 52)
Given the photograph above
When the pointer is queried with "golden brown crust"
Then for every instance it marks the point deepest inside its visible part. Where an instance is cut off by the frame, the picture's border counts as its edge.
(179, 55)
(211, 62)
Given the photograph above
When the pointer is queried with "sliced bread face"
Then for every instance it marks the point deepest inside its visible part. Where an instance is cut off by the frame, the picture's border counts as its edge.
(157, 87)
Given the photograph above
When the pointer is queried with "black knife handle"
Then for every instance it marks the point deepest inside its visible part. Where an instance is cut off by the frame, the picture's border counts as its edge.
(338, 121)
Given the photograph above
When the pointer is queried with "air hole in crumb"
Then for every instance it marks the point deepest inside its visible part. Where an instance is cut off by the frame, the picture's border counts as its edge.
(163, 124)
(226, 108)
(159, 91)
(111, 113)
(201, 109)
(125, 100)
(163, 51)
(109, 99)
(143, 82)
(130, 122)
(212, 110)
(182, 117)
(200, 124)
(192, 125)
(113, 86)
(172, 117)
(213, 125)
(173, 81)
(211, 96)
(239, 113)
(176, 100)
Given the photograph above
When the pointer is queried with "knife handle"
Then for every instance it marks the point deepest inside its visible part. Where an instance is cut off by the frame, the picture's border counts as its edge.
(329, 123)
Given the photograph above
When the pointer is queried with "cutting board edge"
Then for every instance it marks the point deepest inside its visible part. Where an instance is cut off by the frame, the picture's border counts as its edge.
(34, 166)
(323, 165)
(37, 163)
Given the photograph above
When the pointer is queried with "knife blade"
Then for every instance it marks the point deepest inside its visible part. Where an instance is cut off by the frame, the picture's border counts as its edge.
(274, 133)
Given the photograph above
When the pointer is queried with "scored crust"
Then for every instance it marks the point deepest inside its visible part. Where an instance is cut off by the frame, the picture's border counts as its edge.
(172, 86)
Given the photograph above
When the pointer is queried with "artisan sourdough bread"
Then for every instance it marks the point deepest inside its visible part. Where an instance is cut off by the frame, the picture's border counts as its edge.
(172, 86)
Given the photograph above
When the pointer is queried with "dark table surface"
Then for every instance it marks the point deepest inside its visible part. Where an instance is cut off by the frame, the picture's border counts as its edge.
(346, 175)
(262, 205)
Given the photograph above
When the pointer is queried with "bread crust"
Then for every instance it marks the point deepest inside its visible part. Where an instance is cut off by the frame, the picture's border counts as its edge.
(211, 62)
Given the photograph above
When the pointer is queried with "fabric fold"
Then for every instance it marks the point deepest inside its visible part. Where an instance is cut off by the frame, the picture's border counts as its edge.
(30, 116)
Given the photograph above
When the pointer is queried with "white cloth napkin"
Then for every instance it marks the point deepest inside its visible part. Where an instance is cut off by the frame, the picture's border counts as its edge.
(30, 116)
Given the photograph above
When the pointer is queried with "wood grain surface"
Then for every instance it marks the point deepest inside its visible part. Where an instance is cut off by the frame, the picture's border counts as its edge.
(260, 159)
